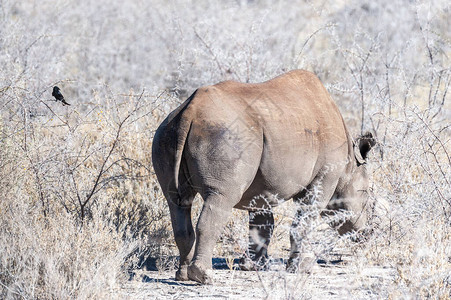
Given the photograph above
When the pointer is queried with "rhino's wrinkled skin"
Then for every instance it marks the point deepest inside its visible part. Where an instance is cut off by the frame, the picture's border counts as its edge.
(248, 146)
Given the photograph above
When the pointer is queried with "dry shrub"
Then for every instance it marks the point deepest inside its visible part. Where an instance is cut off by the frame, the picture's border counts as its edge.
(80, 204)
(413, 235)
(55, 258)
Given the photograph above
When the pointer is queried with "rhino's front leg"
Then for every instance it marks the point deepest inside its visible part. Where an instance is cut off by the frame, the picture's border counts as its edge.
(299, 259)
(215, 213)
(317, 194)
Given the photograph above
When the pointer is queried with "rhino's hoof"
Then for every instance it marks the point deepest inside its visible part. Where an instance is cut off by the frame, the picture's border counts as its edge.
(246, 264)
(200, 274)
(292, 265)
(182, 274)
(295, 265)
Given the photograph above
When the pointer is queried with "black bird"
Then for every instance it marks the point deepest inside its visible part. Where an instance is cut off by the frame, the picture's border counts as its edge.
(58, 96)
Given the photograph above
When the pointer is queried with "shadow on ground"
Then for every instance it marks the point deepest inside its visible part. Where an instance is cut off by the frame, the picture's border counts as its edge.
(220, 263)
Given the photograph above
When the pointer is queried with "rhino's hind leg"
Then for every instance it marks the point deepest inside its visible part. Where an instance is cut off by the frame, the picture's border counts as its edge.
(261, 226)
(215, 212)
(184, 237)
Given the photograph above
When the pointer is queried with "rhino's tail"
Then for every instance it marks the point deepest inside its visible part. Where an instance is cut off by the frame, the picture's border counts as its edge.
(182, 135)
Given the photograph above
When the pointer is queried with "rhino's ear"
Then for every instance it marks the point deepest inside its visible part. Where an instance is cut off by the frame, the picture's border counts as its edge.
(365, 143)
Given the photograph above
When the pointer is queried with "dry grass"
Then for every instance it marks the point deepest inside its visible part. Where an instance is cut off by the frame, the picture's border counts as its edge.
(80, 204)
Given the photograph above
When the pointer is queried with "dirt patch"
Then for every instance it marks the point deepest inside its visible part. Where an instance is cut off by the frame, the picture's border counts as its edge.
(326, 281)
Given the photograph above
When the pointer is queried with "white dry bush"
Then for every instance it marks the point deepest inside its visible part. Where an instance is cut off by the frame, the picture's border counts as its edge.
(79, 201)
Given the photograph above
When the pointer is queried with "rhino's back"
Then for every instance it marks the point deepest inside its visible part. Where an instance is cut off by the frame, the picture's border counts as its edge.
(292, 101)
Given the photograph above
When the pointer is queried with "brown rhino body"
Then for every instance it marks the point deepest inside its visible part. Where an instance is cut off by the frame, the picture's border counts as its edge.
(250, 146)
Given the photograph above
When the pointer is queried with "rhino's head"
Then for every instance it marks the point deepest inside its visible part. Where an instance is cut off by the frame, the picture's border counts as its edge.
(353, 195)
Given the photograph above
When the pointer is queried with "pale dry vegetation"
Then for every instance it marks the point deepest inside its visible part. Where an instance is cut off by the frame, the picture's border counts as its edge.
(80, 207)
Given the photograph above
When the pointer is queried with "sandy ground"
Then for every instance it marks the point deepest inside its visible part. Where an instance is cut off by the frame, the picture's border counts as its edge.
(326, 281)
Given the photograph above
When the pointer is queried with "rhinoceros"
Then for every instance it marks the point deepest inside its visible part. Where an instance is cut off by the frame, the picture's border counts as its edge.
(251, 146)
